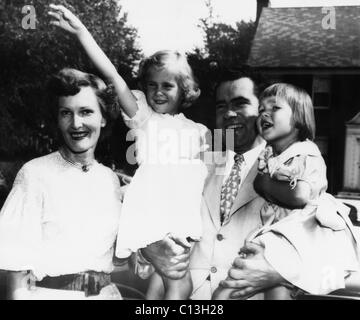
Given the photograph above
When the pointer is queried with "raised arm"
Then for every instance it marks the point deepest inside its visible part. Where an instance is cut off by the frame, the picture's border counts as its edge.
(65, 19)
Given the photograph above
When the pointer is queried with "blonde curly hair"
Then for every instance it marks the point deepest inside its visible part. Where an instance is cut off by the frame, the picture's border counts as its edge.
(185, 77)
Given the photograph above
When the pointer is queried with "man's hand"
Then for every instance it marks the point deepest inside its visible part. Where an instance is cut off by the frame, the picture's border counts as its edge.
(169, 256)
(252, 274)
(65, 19)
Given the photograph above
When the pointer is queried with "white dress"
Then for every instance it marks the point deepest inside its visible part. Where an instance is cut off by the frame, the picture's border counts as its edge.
(164, 195)
(325, 242)
(60, 220)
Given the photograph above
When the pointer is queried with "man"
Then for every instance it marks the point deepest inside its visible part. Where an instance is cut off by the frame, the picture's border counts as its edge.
(225, 229)
(212, 257)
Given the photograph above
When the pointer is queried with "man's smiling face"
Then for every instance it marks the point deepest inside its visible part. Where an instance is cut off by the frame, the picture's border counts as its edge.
(237, 110)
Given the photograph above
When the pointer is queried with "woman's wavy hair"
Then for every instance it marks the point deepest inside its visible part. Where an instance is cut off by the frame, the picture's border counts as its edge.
(184, 74)
(68, 82)
(301, 106)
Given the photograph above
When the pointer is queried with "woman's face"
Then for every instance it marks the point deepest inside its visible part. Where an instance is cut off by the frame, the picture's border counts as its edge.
(80, 120)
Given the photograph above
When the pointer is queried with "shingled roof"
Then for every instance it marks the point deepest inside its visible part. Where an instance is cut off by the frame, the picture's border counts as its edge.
(294, 37)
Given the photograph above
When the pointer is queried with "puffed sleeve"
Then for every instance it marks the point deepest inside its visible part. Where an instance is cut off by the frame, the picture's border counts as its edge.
(314, 173)
(20, 224)
(142, 115)
(205, 137)
(308, 168)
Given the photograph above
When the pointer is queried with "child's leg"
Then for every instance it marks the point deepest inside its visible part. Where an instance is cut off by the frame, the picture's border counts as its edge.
(156, 288)
(277, 293)
(168, 289)
(178, 289)
(222, 293)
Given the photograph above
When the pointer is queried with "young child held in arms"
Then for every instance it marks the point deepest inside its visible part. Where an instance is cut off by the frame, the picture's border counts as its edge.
(298, 212)
(164, 195)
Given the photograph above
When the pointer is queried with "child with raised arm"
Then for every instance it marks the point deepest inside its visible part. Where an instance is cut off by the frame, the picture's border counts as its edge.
(298, 211)
(164, 196)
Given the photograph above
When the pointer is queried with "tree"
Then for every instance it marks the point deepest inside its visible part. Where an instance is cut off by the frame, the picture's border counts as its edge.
(228, 46)
(29, 56)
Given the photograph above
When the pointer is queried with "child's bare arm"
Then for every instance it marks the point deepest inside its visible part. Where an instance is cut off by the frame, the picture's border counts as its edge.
(281, 193)
(65, 19)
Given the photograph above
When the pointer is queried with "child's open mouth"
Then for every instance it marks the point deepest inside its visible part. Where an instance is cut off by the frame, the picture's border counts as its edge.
(266, 125)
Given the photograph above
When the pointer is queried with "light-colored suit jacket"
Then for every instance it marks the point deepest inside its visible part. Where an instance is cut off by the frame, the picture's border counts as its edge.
(213, 256)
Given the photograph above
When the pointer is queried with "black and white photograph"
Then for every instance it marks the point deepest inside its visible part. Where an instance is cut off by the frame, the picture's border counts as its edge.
(201, 151)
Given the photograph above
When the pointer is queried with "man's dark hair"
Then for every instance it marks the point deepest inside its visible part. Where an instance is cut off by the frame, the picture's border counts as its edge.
(231, 74)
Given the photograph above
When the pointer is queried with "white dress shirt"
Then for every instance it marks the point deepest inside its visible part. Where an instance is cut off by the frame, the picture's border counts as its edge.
(249, 159)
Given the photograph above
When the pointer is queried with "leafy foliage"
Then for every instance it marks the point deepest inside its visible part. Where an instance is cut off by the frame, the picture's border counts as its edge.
(29, 56)
(227, 45)
(230, 46)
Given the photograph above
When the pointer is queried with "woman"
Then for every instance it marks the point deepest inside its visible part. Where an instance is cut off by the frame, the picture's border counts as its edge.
(59, 223)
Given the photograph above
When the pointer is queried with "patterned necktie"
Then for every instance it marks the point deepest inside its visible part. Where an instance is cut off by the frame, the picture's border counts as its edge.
(230, 188)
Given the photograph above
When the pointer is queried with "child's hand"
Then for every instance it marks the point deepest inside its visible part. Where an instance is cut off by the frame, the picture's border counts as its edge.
(65, 19)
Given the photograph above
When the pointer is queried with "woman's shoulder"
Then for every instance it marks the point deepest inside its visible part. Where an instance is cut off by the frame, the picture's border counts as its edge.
(106, 171)
(41, 163)
(34, 170)
(109, 181)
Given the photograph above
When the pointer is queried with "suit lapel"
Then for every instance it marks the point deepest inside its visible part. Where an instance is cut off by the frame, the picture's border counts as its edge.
(246, 192)
(212, 189)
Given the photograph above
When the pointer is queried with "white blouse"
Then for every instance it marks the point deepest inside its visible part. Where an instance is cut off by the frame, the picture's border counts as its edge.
(59, 220)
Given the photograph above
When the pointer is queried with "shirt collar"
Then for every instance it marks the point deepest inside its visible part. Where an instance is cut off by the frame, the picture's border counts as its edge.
(249, 157)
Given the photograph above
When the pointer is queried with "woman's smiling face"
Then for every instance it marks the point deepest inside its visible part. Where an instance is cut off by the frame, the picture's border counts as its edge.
(80, 120)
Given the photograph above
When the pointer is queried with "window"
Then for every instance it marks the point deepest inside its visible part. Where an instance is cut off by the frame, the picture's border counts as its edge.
(321, 92)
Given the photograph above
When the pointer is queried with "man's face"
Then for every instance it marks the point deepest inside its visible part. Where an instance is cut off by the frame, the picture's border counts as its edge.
(237, 111)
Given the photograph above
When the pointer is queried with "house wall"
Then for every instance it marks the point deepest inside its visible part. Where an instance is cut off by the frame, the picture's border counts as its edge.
(346, 104)
(330, 122)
